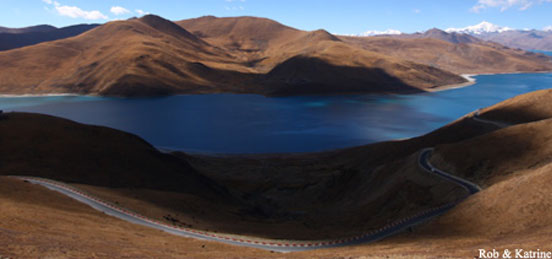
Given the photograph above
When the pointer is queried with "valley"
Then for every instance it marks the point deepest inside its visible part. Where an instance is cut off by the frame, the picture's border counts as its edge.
(265, 209)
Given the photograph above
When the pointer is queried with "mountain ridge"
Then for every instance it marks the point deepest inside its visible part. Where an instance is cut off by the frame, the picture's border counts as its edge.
(154, 56)
(35, 28)
(514, 38)
(17, 38)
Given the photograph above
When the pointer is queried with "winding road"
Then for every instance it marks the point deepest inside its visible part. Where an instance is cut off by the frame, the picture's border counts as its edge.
(476, 117)
(268, 244)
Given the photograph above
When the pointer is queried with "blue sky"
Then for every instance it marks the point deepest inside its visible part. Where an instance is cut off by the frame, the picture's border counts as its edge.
(341, 17)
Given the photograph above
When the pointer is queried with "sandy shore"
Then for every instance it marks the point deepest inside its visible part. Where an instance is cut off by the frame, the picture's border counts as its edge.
(468, 77)
(472, 80)
(38, 95)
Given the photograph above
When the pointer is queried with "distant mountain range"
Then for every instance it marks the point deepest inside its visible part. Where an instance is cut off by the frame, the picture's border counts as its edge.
(15, 38)
(154, 56)
(452, 37)
(486, 31)
(529, 40)
(523, 39)
(37, 28)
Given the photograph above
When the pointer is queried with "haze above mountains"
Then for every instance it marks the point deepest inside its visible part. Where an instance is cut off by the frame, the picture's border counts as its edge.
(527, 39)
(154, 56)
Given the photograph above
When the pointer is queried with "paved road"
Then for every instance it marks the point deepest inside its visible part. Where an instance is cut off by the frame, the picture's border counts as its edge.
(268, 244)
(425, 164)
(476, 117)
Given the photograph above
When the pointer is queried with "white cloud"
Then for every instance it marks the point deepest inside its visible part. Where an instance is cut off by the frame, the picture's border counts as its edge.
(235, 5)
(417, 11)
(118, 10)
(76, 12)
(375, 32)
(141, 12)
(547, 28)
(234, 8)
(50, 2)
(504, 5)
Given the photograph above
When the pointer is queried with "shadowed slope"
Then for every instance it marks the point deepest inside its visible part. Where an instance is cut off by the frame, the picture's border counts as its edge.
(60, 149)
(524, 108)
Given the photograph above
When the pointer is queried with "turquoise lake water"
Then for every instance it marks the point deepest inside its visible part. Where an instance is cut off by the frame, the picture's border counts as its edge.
(229, 123)
(549, 53)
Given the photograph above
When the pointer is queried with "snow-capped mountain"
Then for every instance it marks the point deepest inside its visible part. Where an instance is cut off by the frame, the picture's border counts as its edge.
(483, 27)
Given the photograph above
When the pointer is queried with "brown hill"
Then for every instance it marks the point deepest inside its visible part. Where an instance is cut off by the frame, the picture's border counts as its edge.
(249, 34)
(463, 58)
(529, 107)
(506, 152)
(152, 56)
(514, 165)
(136, 57)
(270, 47)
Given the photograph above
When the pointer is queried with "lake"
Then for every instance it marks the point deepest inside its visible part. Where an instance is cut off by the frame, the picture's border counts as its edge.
(230, 123)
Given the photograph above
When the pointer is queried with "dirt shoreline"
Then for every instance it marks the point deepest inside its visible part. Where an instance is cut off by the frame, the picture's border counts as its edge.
(472, 80)
(469, 77)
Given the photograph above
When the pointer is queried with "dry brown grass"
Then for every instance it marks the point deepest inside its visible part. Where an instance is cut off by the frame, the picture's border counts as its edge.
(303, 203)
(528, 107)
(37, 222)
